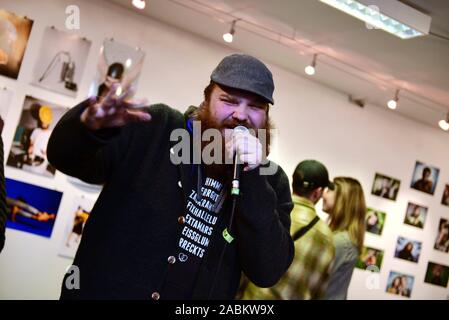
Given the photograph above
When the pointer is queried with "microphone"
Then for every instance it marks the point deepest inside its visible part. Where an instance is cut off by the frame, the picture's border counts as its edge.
(238, 167)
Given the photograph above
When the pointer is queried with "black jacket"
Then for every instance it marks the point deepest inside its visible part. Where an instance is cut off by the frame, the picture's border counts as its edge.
(2, 198)
(133, 227)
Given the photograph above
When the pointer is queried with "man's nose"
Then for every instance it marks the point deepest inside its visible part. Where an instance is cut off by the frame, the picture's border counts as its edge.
(240, 113)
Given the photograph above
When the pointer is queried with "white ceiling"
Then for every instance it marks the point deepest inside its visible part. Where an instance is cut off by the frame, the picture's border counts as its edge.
(353, 59)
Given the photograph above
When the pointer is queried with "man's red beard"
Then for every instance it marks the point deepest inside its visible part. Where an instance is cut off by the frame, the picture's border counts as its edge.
(223, 171)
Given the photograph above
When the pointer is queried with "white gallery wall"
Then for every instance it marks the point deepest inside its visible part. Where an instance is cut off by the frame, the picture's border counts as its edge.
(313, 122)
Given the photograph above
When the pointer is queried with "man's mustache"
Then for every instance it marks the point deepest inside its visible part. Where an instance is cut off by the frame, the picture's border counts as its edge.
(232, 124)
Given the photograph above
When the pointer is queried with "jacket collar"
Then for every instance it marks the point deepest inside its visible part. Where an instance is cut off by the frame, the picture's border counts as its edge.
(307, 207)
(303, 202)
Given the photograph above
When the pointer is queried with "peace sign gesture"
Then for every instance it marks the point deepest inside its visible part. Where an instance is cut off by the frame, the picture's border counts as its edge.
(114, 110)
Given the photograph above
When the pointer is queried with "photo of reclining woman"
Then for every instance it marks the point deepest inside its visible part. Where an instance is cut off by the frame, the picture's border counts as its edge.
(31, 208)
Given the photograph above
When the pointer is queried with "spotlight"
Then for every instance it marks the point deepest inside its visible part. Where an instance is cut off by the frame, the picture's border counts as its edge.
(310, 69)
(392, 104)
(444, 123)
(228, 37)
(139, 4)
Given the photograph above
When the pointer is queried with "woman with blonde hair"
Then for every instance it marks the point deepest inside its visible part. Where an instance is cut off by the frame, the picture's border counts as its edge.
(347, 209)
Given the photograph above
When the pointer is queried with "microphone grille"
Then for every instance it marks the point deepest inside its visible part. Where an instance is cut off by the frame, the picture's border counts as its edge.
(241, 129)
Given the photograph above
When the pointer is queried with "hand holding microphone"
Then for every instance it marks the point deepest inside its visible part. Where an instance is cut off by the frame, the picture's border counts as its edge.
(246, 148)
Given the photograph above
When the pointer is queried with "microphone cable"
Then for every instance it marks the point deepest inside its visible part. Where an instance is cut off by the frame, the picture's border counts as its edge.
(228, 239)
(235, 193)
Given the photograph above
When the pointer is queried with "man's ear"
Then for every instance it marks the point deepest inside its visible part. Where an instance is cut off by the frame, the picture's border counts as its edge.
(317, 194)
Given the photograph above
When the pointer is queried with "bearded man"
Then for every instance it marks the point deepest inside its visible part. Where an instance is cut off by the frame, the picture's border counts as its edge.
(169, 224)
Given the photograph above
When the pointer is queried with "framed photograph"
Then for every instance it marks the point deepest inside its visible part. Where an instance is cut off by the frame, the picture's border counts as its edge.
(385, 187)
(375, 221)
(437, 274)
(442, 240)
(118, 63)
(77, 216)
(29, 146)
(445, 198)
(5, 101)
(370, 259)
(425, 178)
(61, 62)
(407, 249)
(14, 34)
(31, 208)
(400, 284)
(415, 215)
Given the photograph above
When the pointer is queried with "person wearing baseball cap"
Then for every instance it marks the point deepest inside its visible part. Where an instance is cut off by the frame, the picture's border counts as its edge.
(37, 148)
(167, 226)
(311, 175)
(309, 273)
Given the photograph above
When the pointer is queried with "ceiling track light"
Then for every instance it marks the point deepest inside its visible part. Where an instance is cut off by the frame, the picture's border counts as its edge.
(229, 37)
(392, 104)
(310, 69)
(139, 4)
(444, 123)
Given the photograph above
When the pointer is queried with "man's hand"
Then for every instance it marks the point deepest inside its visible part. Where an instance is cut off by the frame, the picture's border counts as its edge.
(113, 110)
(248, 149)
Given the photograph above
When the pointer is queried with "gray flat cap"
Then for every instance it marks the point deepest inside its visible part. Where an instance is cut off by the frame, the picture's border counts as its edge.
(247, 73)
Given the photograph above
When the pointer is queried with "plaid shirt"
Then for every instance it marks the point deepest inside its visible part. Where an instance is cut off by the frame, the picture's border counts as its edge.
(308, 275)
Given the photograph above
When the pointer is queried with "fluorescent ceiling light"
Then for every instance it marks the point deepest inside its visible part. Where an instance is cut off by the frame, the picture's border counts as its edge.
(389, 15)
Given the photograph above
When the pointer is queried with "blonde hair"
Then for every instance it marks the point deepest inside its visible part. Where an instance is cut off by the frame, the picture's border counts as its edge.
(349, 210)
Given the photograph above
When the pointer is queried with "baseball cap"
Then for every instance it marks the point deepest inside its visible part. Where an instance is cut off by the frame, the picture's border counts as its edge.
(311, 174)
(241, 71)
